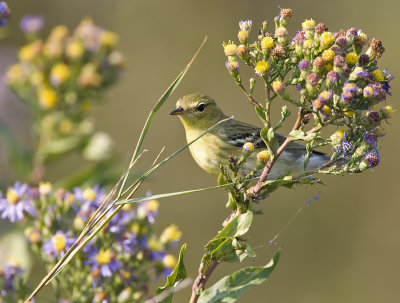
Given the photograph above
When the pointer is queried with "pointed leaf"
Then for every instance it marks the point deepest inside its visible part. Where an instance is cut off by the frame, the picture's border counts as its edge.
(177, 275)
(230, 288)
(236, 228)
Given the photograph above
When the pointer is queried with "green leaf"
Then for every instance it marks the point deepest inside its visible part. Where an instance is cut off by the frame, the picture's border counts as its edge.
(300, 135)
(178, 274)
(261, 113)
(287, 181)
(232, 250)
(230, 288)
(235, 228)
(160, 196)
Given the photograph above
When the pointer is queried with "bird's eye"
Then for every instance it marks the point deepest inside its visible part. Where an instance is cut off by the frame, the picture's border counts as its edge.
(201, 107)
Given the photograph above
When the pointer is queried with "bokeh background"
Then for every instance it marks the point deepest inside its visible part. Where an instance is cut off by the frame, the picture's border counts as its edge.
(344, 247)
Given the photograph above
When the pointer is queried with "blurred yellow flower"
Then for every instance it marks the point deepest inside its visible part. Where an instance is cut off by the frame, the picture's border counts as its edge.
(47, 98)
(59, 74)
(74, 49)
(108, 39)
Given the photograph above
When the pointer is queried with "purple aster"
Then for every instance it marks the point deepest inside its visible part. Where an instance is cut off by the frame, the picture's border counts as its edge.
(300, 37)
(232, 65)
(32, 23)
(312, 79)
(104, 260)
(4, 13)
(58, 244)
(372, 158)
(363, 59)
(16, 202)
(370, 138)
(332, 77)
(127, 243)
(148, 209)
(341, 42)
(245, 25)
(119, 222)
(90, 200)
(389, 77)
(304, 64)
(10, 272)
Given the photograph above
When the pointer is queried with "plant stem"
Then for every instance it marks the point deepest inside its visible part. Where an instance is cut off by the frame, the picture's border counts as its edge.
(202, 279)
(255, 190)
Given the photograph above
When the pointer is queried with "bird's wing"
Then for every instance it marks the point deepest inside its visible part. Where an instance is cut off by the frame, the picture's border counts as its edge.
(238, 133)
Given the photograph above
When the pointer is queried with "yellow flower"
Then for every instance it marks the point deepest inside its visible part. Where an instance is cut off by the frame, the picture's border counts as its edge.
(267, 43)
(328, 55)
(242, 36)
(53, 49)
(59, 74)
(327, 38)
(378, 75)
(387, 111)
(326, 110)
(89, 76)
(248, 146)
(152, 205)
(154, 244)
(59, 242)
(30, 51)
(261, 67)
(47, 98)
(351, 58)
(337, 136)
(74, 49)
(15, 74)
(12, 196)
(169, 261)
(328, 67)
(308, 43)
(104, 256)
(37, 78)
(66, 126)
(108, 38)
(348, 113)
(308, 24)
(45, 188)
(89, 194)
(58, 33)
(230, 48)
(263, 156)
(171, 234)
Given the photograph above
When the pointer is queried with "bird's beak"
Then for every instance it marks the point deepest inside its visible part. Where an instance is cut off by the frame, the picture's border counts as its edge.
(177, 111)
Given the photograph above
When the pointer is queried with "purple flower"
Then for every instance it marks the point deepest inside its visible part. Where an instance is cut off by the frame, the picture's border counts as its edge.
(32, 23)
(232, 65)
(90, 198)
(10, 272)
(58, 244)
(128, 242)
(372, 158)
(370, 138)
(148, 209)
(4, 13)
(389, 76)
(304, 64)
(245, 25)
(363, 59)
(16, 202)
(299, 38)
(104, 260)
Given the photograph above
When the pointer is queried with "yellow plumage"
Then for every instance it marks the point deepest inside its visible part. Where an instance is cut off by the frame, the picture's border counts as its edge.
(198, 112)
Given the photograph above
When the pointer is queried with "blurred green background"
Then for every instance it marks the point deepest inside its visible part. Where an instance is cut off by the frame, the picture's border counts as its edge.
(342, 248)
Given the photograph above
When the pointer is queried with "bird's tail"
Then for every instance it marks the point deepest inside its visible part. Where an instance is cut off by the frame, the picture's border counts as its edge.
(317, 160)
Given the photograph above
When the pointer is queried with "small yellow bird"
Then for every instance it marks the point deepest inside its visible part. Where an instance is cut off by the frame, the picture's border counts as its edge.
(199, 112)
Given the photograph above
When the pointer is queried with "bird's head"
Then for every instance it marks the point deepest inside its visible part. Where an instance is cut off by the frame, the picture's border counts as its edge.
(197, 110)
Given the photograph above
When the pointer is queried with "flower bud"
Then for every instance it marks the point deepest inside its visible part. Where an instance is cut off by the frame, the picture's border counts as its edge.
(248, 146)
(372, 158)
(263, 157)
(229, 49)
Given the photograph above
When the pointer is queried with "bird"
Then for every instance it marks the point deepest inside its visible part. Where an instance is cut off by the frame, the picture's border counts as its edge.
(198, 112)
